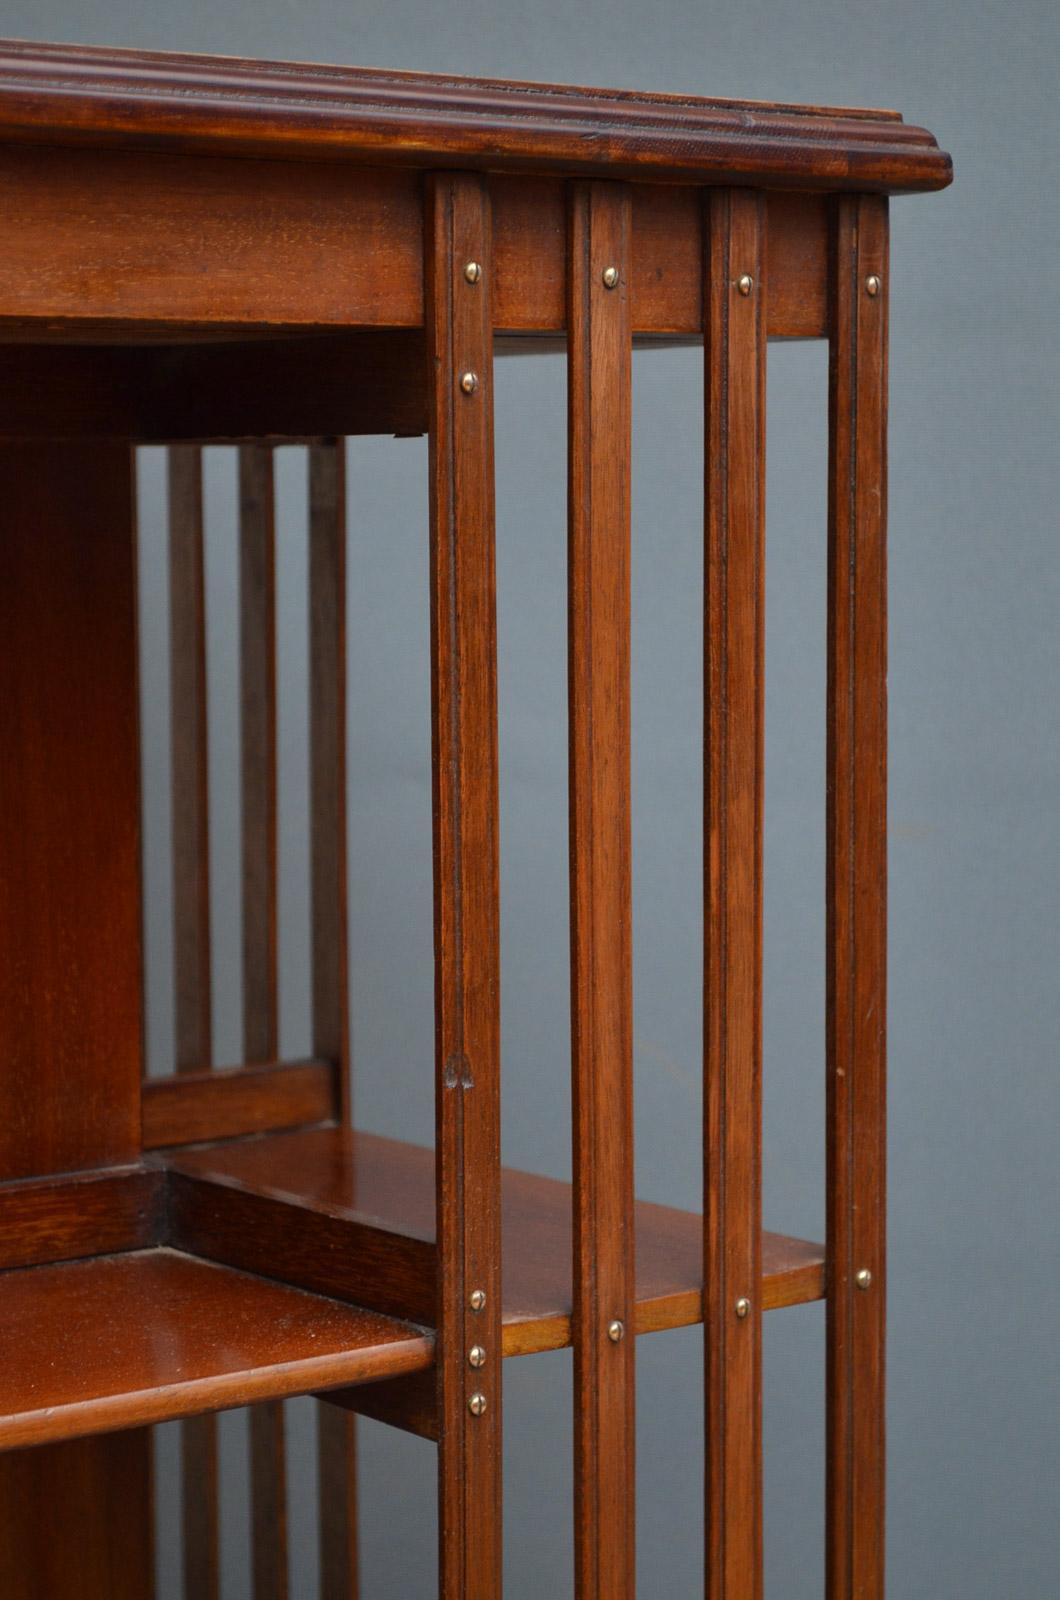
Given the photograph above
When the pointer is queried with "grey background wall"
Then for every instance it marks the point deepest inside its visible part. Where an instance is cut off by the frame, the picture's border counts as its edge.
(975, 766)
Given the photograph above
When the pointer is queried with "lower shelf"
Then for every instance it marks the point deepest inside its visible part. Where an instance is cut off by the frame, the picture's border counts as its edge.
(118, 1341)
(389, 1185)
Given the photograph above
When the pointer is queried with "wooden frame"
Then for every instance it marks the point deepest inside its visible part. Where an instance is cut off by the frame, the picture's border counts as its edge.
(394, 233)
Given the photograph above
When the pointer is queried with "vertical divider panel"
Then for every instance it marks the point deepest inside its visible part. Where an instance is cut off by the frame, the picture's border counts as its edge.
(191, 931)
(735, 346)
(599, 386)
(336, 1429)
(458, 249)
(257, 707)
(856, 890)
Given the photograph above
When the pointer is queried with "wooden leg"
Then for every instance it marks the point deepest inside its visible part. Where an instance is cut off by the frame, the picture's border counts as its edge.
(856, 914)
(467, 920)
(268, 1496)
(599, 368)
(735, 323)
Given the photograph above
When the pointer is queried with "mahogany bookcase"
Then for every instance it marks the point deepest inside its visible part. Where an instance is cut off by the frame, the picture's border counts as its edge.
(201, 250)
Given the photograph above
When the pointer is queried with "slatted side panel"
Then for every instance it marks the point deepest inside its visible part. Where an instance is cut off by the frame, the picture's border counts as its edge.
(599, 381)
(735, 323)
(191, 929)
(856, 906)
(336, 1429)
(259, 788)
(466, 893)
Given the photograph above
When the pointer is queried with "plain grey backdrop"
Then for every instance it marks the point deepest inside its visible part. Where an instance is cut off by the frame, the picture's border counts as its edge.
(974, 996)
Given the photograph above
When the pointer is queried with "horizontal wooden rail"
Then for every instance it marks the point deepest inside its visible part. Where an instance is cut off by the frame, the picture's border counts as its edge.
(323, 251)
(88, 1214)
(194, 1107)
(341, 1257)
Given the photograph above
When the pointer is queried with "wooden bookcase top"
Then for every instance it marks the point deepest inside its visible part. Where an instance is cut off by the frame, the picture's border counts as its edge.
(77, 93)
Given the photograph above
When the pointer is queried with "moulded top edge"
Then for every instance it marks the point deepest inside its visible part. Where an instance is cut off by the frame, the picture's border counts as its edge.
(78, 93)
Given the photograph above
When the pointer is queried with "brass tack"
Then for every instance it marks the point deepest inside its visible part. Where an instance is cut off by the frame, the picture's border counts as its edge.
(477, 1300)
(863, 1279)
(743, 1307)
(610, 277)
(472, 272)
(872, 285)
(469, 382)
(745, 284)
(477, 1404)
(476, 1356)
(615, 1331)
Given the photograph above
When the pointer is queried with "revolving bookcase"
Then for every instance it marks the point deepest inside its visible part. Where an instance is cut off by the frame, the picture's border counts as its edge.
(200, 250)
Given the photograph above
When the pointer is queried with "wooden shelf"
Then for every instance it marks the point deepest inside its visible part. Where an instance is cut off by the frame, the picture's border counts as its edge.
(118, 1341)
(388, 1185)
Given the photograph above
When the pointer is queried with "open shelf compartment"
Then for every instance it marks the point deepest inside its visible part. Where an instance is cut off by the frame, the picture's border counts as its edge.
(384, 1188)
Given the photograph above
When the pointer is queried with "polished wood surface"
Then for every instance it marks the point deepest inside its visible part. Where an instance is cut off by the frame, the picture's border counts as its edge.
(76, 1520)
(80, 93)
(734, 686)
(389, 1185)
(80, 1214)
(856, 936)
(70, 1007)
(151, 1335)
(600, 405)
(70, 997)
(466, 880)
(232, 1102)
(322, 252)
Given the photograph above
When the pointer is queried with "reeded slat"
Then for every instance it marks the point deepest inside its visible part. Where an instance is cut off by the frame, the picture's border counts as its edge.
(599, 381)
(734, 629)
(466, 901)
(191, 928)
(191, 855)
(200, 1524)
(257, 676)
(337, 1462)
(268, 1494)
(856, 889)
(257, 706)
(336, 1430)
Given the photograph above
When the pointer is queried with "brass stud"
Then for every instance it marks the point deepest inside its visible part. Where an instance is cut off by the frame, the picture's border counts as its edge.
(745, 284)
(476, 1356)
(743, 1307)
(872, 285)
(477, 1300)
(477, 1404)
(863, 1279)
(472, 272)
(615, 1331)
(610, 277)
(469, 382)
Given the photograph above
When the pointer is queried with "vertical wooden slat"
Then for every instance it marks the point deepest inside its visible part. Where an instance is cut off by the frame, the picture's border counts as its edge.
(191, 929)
(191, 854)
(856, 889)
(735, 324)
(257, 704)
(268, 1494)
(466, 897)
(600, 378)
(201, 1508)
(336, 1430)
(257, 665)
